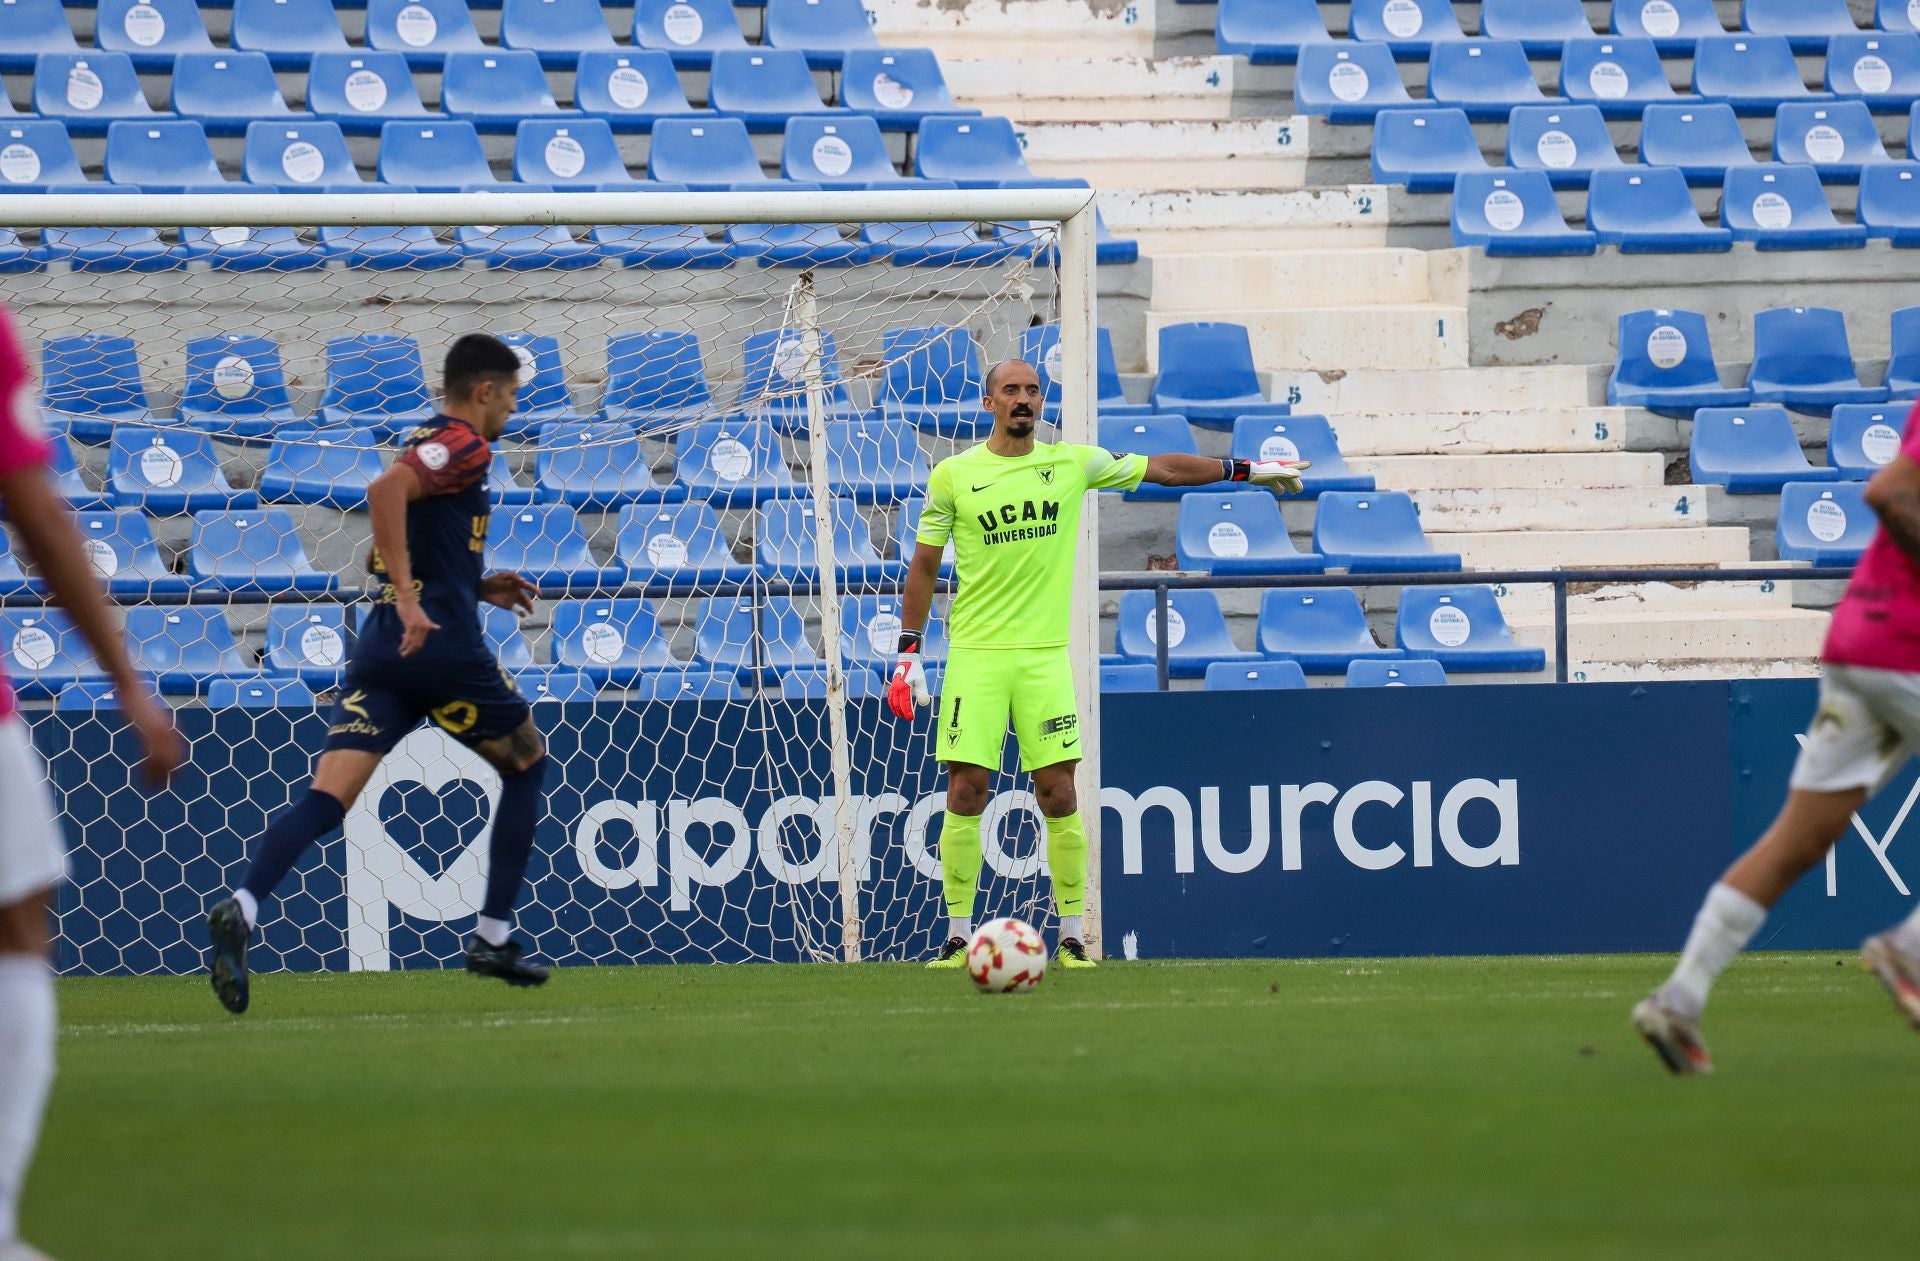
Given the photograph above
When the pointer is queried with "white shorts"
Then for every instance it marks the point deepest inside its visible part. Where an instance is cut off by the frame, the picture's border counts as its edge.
(33, 855)
(1866, 728)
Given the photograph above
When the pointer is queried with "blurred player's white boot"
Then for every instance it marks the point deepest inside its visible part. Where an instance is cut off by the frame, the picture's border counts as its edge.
(1897, 970)
(20, 1252)
(1673, 1035)
(27, 1030)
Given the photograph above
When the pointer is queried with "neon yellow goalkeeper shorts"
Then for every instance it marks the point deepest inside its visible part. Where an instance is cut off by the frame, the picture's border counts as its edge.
(981, 688)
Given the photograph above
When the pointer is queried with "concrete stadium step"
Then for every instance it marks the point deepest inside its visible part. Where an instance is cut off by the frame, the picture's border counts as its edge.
(1642, 470)
(1701, 670)
(1242, 153)
(1089, 87)
(1415, 336)
(1461, 390)
(1471, 510)
(1581, 549)
(1534, 603)
(1274, 280)
(1032, 29)
(1748, 634)
(1457, 434)
(1214, 219)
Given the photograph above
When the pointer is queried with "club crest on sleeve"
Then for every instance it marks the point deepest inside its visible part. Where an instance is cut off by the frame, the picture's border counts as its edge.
(432, 454)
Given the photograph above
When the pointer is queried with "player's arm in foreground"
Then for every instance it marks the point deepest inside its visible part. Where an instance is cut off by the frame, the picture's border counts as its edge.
(1282, 477)
(387, 499)
(1894, 495)
(907, 691)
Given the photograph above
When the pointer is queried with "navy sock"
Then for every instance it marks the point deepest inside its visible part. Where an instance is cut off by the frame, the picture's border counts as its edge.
(287, 837)
(512, 838)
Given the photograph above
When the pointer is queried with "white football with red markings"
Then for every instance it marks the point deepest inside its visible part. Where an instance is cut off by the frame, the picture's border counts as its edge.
(1006, 956)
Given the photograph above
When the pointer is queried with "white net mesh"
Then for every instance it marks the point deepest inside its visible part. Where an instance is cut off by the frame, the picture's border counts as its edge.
(228, 394)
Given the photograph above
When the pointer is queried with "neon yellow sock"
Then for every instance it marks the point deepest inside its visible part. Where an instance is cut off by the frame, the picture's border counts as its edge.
(960, 851)
(1067, 856)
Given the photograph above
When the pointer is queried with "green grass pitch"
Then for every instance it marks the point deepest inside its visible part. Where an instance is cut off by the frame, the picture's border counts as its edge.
(1482, 1108)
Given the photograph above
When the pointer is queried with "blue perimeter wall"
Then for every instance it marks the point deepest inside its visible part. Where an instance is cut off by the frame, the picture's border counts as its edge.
(1457, 820)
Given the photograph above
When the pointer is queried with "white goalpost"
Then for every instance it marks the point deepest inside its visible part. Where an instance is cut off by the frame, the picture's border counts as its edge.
(711, 478)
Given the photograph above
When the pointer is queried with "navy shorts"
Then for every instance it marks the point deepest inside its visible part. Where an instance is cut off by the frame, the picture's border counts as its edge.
(459, 687)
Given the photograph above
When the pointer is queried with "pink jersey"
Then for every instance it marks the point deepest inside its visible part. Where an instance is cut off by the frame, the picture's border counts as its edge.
(23, 444)
(1877, 623)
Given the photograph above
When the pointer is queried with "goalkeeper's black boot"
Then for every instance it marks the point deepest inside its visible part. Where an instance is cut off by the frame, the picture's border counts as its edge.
(486, 959)
(227, 933)
(952, 955)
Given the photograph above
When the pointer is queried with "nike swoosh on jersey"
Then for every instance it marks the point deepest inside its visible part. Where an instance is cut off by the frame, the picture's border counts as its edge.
(978, 489)
(1068, 744)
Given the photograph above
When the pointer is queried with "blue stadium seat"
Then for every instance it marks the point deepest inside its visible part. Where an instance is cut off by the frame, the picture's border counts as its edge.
(169, 471)
(259, 693)
(280, 249)
(875, 461)
(1268, 32)
(1259, 676)
(184, 647)
(1675, 26)
(1207, 375)
(1487, 78)
(1508, 212)
(973, 153)
(1239, 532)
(29, 28)
(89, 91)
(43, 653)
(1569, 142)
(725, 637)
(938, 243)
(690, 31)
(1153, 434)
(1879, 68)
(1349, 83)
(1803, 360)
(658, 246)
(1650, 210)
(1704, 141)
(773, 388)
(441, 156)
(72, 483)
(557, 30)
(798, 244)
(388, 247)
(524, 246)
(1666, 365)
(1409, 28)
(629, 89)
(1749, 450)
(1463, 629)
(1040, 346)
(306, 642)
(1424, 149)
(677, 544)
(709, 155)
(656, 380)
(898, 86)
(1197, 633)
(825, 30)
(1824, 524)
(811, 685)
(596, 467)
(785, 538)
(1299, 438)
(1323, 629)
(256, 552)
(543, 396)
(870, 634)
(104, 249)
(330, 468)
(1781, 207)
(362, 90)
(1396, 674)
(546, 544)
(299, 157)
(1753, 73)
(235, 386)
(15, 257)
(422, 31)
(122, 549)
(92, 381)
(905, 542)
(91, 695)
(497, 90)
(289, 32)
(610, 641)
(932, 381)
(692, 683)
(1903, 369)
(578, 153)
(227, 92)
(1896, 15)
(1620, 76)
(1128, 677)
(1862, 440)
(1807, 24)
(732, 463)
(38, 156)
(838, 153)
(503, 488)
(1376, 532)
(169, 156)
(1836, 139)
(1543, 27)
(375, 379)
(501, 629)
(555, 683)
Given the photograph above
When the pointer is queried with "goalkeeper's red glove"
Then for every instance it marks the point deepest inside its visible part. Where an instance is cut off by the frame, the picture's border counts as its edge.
(908, 689)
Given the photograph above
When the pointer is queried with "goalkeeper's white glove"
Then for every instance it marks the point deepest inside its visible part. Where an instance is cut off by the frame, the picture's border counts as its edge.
(907, 691)
(1282, 477)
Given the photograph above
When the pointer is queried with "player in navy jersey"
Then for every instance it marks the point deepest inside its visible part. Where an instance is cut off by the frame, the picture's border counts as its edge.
(420, 655)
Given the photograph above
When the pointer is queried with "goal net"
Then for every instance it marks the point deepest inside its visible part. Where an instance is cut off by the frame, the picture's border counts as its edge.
(728, 408)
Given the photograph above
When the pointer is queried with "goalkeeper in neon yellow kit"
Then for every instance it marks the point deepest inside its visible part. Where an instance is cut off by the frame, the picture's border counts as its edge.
(1011, 507)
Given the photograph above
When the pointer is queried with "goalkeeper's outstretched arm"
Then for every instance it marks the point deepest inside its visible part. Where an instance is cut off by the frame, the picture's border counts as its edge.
(907, 690)
(1282, 477)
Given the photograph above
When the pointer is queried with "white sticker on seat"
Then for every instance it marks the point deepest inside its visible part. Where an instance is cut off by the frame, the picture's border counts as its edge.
(1880, 443)
(302, 162)
(683, 25)
(1276, 447)
(1347, 81)
(230, 235)
(1771, 211)
(1449, 625)
(19, 164)
(603, 642)
(1608, 80)
(1504, 210)
(627, 87)
(1826, 520)
(1557, 150)
(232, 377)
(100, 555)
(789, 359)
(322, 646)
(366, 91)
(160, 467)
(1825, 143)
(1660, 18)
(832, 155)
(1666, 346)
(666, 551)
(144, 25)
(890, 92)
(1872, 74)
(732, 460)
(1226, 539)
(883, 633)
(33, 648)
(84, 89)
(1052, 361)
(415, 26)
(1402, 18)
(565, 157)
(525, 356)
(1176, 628)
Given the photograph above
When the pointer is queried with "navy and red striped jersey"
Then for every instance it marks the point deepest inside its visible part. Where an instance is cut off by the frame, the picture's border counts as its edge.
(447, 525)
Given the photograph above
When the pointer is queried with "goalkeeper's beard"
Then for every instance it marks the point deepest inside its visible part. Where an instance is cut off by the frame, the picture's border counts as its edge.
(1020, 425)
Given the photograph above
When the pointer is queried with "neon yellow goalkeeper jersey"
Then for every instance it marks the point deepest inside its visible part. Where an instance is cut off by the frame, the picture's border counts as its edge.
(1014, 523)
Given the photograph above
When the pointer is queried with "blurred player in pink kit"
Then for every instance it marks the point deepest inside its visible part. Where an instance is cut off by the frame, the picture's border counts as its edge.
(1866, 728)
(32, 856)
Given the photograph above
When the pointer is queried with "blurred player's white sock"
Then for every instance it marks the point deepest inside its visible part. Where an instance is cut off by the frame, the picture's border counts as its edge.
(1727, 921)
(492, 931)
(1907, 935)
(249, 907)
(961, 928)
(1070, 926)
(26, 1070)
